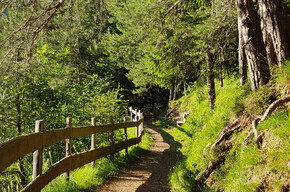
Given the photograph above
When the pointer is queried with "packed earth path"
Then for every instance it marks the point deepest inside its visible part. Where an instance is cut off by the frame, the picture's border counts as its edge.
(149, 173)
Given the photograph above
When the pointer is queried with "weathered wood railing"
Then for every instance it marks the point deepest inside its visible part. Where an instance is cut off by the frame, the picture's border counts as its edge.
(16, 148)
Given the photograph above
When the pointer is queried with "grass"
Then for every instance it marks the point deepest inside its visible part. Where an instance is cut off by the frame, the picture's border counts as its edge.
(246, 168)
(200, 131)
(88, 177)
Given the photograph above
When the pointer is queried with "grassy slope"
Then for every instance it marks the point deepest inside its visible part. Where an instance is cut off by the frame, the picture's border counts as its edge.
(246, 168)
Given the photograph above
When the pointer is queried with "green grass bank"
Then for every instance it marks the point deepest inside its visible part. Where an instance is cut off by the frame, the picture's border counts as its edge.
(243, 167)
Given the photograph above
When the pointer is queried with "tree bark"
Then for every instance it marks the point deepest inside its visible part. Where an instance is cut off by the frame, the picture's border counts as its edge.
(242, 55)
(274, 22)
(176, 89)
(171, 92)
(210, 80)
(253, 44)
(220, 71)
(184, 88)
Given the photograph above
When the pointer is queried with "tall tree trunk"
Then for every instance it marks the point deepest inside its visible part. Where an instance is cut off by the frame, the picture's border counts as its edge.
(242, 55)
(253, 44)
(210, 80)
(274, 22)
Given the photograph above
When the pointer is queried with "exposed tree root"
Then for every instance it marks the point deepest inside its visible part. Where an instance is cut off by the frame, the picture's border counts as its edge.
(274, 105)
(210, 168)
(259, 137)
(228, 130)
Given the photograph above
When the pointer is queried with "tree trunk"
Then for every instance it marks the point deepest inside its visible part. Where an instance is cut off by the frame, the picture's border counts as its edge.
(253, 44)
(184, 88)
(177, 88)
(171, 92)
(18, 119)
(220, 74)
(242, 55)
(274, 22)
(210, 80)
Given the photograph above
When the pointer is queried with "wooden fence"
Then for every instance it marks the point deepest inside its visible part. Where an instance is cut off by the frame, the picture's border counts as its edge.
(13, 150)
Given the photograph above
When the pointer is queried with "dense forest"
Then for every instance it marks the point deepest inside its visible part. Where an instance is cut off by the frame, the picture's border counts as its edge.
(217, 60)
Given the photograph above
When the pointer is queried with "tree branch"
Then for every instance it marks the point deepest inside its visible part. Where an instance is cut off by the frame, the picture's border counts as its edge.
(43, 24)
(172, 7)
(6, 6)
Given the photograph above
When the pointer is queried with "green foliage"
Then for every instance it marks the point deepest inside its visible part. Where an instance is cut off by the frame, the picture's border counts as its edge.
(253, 166)
(93, 54)
(281, 79)
(257, 102)
(181, 179)
(201, 126)
(239, 170)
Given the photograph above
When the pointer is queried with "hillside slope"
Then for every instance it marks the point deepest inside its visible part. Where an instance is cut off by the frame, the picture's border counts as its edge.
(222, 153)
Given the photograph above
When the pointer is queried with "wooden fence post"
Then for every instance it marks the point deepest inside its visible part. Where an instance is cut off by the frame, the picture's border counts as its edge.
(136, 115)
(111, 137)
(68, 143)
(137, 128)
(93, 140)
(131, 113)
(125, 133)
(38, 155)
(141, 125)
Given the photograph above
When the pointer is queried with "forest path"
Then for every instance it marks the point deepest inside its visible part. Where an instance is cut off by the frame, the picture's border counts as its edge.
(149, 173)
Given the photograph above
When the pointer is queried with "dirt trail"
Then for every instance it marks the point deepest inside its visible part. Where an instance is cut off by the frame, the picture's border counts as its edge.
(150, 171)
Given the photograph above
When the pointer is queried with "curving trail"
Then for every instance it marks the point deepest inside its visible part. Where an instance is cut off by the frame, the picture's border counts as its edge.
(150, 171)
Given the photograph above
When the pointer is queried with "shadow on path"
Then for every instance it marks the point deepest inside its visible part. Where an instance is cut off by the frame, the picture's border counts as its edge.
(164, 157)
(150, 172)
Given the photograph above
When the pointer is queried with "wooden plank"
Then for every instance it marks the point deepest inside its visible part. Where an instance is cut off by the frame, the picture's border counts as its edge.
(16, 148)
(85, 131)
(75, 161)
(22, 145)
(55, 136)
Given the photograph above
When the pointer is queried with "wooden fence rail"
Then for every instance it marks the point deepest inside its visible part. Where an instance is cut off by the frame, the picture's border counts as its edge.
(13, 150)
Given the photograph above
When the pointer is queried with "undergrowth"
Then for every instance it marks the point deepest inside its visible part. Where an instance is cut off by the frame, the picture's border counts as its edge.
(88, 177)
